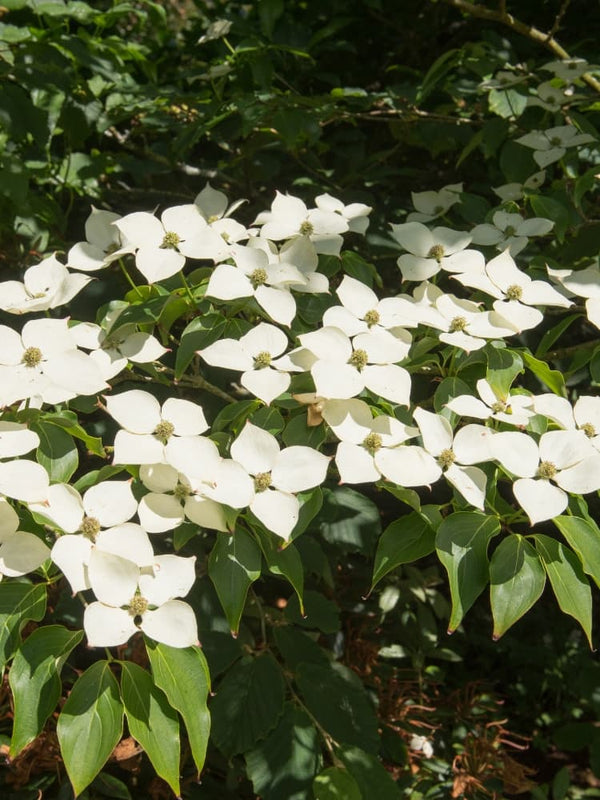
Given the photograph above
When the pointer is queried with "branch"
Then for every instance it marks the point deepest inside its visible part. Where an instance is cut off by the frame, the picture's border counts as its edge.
(547, 40)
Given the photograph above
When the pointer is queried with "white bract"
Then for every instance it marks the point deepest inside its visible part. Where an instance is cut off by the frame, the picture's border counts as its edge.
(278, 475)
(356, 215)
(584, 415)
(104, 244)
(431, 205)
(562, 462)
(431, 251)
(48, 284)
(551, 145)
(20, 552)
(510, 231)
(513, 409)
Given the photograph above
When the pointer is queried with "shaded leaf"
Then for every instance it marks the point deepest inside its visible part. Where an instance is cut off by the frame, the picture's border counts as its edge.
(233, 566)
(403, 541)
(517, 580)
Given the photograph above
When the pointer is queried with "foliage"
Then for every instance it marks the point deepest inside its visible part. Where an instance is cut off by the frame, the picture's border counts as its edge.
(336, 437)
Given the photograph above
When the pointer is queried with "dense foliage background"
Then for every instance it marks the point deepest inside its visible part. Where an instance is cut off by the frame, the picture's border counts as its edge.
(135, 105)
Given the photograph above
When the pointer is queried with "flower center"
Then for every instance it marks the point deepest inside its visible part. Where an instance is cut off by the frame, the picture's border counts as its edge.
(446, 458)
(306, 228)
(437, 252)
(438, 209)
(555, 141)
(458, 324)
(262, 481)
(372, 443)
(258, 277)
(372, 317)
(138, 605)
(170, 241)
(213, 218)
(32, 357)
(499, 407)
(112, 248)
(164, 430)
(359, 359)
(90, 527)
(262, 360)
(546, 470)
(588, 429)
(181, 491)
(514, 292)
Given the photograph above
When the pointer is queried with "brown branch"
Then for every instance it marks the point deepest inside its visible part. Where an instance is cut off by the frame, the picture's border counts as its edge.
(547, 40)
(561, 12)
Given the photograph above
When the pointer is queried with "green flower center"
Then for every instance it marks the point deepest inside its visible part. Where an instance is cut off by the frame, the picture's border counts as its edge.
(306, 228)
(262, 481)
(32, 357)
(213, 218)
(589, 430)
(437, 252)
(458, 324)
(372, 317)
(546, 470)
(262, 360)
(514, 292)
(164, 430)
(446, 458)
(112, 248)
(438, 209)
(372, 443)
(555, 142)
(258, 277)
(170, 241)
(138, 605)
(499, 407)
(359, 359)
(510, 231)
(181, 491)
(90, 527)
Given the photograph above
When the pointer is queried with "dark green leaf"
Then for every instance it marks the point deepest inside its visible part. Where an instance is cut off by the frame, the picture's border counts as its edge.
(90, 724)
(57, 451)
(503, 367)
(233, 566)
(19, 602)
(318, 612)
(296, 646)
(407, 539)
(335, 783)
(517, 580)
(584, 537)
(371, 776)
(284, 561)
(349, 520)
(552, 209)
(552, 378)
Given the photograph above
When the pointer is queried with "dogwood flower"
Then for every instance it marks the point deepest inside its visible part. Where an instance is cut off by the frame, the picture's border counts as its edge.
(514, 191)
(441, 453)
(48, 284)
(105, 243)
(551, 145)
(510, 231)
(568, 69)
(278, 475)
(20, 552)
(584, 415)
(148, 428)
(431, 251)
(300, 255)
(583, 283)
(431, 205)
(214, 205)
(514, 409)
(465, 325)
(355, 214)
(562, 462)
(255, 353)
(289, 216)
(132, 599)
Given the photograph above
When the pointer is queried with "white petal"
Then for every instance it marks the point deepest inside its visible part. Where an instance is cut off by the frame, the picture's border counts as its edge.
(206, 513)
(278, 303)
(389, 381)
(555, 408)
(231, 485)
(160, 512)
(22, 552)
(436, 431)
(113, 579)
(266, 384)
(328, 343)
(565, 448)
(517, 452)
(408, 465)
(468, 406)
(63, 507)
(24, 480)
(350, 420)
(173, 624)
(71, 554)
(129, 541)
(135, 410)
(470, 482)
(228, 283)
(142, 348)
(540, 499)
(76, 372)
(228, 354)
(141, 228)
(9, 519)
(187, 417)
(173, 576)
(133, 448)
(110, 502)
(277, 511)
(355, 465)
(298, 468)
(356, 297)
(382, 347)
(159, 477)
(107, 627)
(194, 456)
(255, 449)
(581, 478)
(337, 381)
(472, 444)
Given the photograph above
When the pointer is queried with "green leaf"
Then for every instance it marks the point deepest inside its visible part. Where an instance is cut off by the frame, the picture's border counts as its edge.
(569, 583)
(232, 418)
(90, 724)
(437, 71)
(337, 699)
(403, 541)
(408, 496)
(152, 722)
(284, 561)
(335, 783)
(503, 367)
(182, 673)
(282, 766)
(34, 679)
(108, 786)
(269, 419)
(553, 334)
(269, 12)
(233, 566)
(248, 704)
(19, 602)
(318, 612)
(201, 332)
(296, 646)
(552, 209)
(446, 391)
(298, 432)
(584, 538)
(57, 452)
(461, 543)
(349, 520)
(507, 103)
(371, 776)
(517, 580)
(552, 378)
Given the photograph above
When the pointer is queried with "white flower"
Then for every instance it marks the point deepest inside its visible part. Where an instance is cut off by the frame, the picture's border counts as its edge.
(362, 438)
(515, 291)
(569, 69)
(583, 283)
(355, 214)
(132, 599)
(278, 475)
(45, 361)
(342, 368)
(20, 552)
(442, 453)
(163, 245)
(552, 144)
(584, 415)
(565, 457)
(514, 409)
(510, 230)
(550, 97)
(104, 244)
(214, 205)
(514, 191)
(430, 251)
(290, 217)
(255, 353)
(172, 497)
(465, 325)
(48, 284)
(421, 744)
(148, 428)
(294, 264)
(104, 505)
(430, 205)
